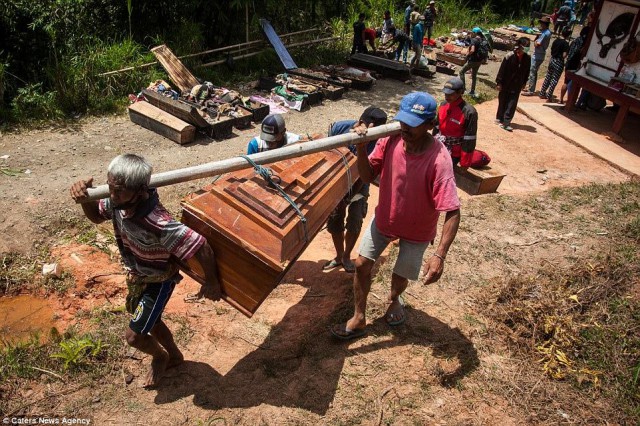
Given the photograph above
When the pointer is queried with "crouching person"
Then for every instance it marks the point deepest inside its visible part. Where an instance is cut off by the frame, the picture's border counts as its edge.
(148, 238)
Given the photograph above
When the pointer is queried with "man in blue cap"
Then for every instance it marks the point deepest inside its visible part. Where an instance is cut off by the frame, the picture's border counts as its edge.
(416, 184)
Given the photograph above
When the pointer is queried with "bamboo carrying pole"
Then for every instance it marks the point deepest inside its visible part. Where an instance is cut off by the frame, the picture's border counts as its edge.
(238, 163)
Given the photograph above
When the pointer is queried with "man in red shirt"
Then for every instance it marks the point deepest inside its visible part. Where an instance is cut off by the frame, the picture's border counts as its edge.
(370, 37)
(416, 184)
(457, 123)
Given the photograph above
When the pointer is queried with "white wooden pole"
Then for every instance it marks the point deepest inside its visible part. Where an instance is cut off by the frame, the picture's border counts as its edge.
(238, 163)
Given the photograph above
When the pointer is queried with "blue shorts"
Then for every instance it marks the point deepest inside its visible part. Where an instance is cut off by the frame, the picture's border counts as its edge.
(153, 300)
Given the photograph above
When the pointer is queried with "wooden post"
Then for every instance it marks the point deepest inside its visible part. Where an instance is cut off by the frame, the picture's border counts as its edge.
(239, 163)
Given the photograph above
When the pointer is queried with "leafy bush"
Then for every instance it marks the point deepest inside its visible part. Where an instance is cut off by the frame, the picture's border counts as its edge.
(33, 103)
(76, 351)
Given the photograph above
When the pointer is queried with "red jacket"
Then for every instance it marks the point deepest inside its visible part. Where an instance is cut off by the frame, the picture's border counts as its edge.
(458, 123)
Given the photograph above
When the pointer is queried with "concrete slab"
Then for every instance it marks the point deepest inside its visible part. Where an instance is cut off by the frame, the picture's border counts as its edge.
(592, 131)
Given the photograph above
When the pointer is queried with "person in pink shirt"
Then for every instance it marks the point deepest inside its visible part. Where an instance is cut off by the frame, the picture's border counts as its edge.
(416, 185)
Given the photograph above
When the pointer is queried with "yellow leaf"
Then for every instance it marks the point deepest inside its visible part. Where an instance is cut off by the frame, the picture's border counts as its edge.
(574, 298)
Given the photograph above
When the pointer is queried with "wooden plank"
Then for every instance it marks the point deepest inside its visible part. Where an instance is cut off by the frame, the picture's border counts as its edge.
(178, 73)
(183, 111)
(255, 233)
(161, 122)
(478, 181)
(386, 67)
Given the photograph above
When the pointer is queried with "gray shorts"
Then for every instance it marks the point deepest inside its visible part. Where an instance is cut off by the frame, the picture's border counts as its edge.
(354, 213)
(409, 261)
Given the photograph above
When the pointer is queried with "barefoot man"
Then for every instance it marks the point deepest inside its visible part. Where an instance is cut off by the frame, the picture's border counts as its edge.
(148, 239)
(416, 184)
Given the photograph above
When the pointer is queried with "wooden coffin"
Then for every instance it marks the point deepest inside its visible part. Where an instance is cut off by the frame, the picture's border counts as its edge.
(182, 110)
(478, 181)
(161, 122)
(255, 233)
(178, 73)
(386, 67)
(454, 58)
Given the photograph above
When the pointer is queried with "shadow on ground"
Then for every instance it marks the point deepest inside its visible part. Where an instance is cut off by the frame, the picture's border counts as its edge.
(299, 364)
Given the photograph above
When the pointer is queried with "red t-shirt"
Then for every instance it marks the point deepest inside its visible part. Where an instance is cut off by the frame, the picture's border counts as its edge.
(414, 189)
(369, 34)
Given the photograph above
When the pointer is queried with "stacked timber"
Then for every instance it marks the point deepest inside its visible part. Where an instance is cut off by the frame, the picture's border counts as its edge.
(255, 232)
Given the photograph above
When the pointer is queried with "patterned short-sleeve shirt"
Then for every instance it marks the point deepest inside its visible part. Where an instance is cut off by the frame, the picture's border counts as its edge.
(147, 243)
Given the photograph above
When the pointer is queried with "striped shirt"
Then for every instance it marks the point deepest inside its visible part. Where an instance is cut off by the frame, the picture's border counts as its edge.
(147, 243)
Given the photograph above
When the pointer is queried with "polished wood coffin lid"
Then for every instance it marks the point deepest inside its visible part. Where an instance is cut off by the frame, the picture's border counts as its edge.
(254, 231)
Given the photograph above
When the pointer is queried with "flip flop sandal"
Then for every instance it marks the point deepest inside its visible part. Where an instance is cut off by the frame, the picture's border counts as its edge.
(340, 331)
(403, 316)
(331, 265)
(193, 298)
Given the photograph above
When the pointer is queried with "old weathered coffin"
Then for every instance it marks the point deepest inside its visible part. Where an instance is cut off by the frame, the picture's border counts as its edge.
(255, 233)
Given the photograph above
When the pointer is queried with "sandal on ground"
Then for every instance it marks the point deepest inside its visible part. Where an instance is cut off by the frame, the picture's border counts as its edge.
(396, 318)
(331, 265)
(193, 298)
(340, 331)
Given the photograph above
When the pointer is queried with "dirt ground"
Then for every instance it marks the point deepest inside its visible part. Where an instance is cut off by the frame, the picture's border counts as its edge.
(281, 366)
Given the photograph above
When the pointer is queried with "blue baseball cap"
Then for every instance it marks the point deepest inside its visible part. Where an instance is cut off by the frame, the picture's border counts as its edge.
(416, 108)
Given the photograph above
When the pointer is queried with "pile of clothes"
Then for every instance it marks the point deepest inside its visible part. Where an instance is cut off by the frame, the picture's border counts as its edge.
(216, 103)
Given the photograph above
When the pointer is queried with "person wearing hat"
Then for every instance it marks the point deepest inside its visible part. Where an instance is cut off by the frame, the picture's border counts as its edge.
(430, 14)
(478, 53)
(540, 44)
(416, 185)
(354, 205)
(512, 77)
(457, 123)
(273, 134)
(418, 35)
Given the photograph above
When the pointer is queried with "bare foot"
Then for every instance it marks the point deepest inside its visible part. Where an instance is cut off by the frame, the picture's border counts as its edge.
(158, 367)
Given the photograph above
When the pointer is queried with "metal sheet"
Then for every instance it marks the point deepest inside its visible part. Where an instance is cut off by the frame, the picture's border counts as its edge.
(277, 44)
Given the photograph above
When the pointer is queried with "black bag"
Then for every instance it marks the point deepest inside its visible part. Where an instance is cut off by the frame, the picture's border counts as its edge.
(483, 51)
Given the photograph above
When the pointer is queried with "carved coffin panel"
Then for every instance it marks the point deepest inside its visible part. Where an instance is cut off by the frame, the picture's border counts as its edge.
(255, 232)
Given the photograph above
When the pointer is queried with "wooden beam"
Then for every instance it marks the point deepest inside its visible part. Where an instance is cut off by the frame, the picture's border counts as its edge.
(266, 157)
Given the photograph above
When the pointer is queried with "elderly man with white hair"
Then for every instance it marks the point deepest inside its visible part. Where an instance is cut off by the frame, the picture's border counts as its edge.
(149, 240)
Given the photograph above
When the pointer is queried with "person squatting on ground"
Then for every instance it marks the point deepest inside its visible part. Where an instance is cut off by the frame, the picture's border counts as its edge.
(418, 35)
(402, 39)
(273, 134)
(457, 126)
(478, 53)
(354, 206)
(430, 14)
(540, 44)
(148, 239)
(511, 78)
(416, 184)
(559, 50)
(358, 36)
